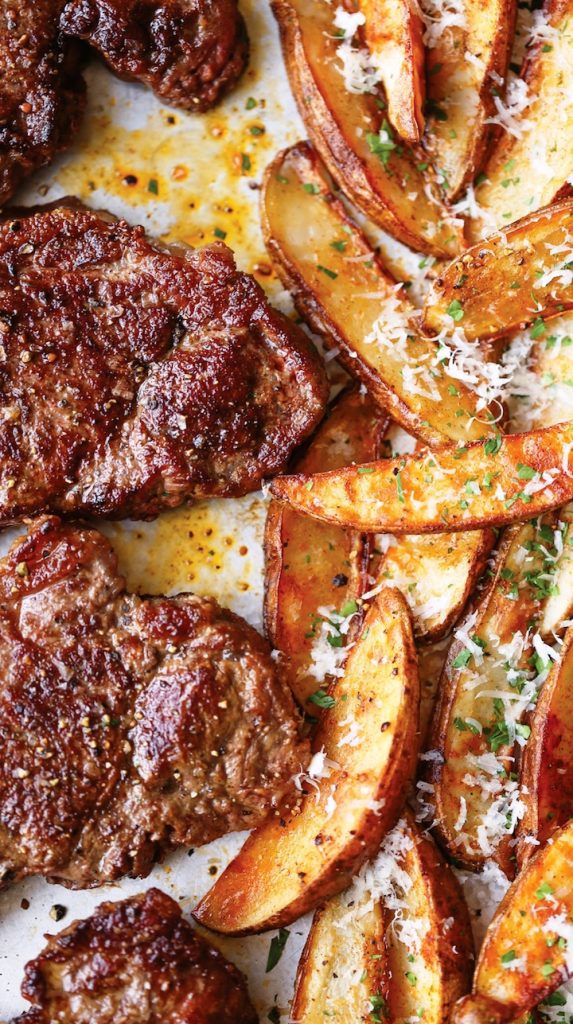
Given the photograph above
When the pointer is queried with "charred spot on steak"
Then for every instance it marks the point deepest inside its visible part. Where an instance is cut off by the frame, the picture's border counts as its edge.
(128, 725)
(134, 377)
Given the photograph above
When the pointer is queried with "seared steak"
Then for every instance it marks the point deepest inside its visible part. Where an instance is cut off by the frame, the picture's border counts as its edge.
(42, 93)
(189, 51)
(134, 962)
(127, 725)
(133, 377)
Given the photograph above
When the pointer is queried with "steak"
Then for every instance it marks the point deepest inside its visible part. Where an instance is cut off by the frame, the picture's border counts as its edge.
(191, 52)
(134, 377)
(128, 726)
(42, 94)
(134, 962)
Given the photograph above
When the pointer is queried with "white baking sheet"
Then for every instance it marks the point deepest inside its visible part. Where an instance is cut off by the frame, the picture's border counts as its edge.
(215, 547)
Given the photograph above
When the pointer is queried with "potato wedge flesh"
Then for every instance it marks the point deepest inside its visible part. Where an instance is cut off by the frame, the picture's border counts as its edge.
(392, 191)
(393, 32)
(305, 853)
(459, 90)
(525, 931)
(518, 276)
(343, 972)
(341, 288)
(312, 565)
(436, 575)
(395, 496)
(484, 692)
(530, 169)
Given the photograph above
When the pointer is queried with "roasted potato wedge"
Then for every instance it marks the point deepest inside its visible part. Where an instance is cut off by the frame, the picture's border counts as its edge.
(431, 660)
(343, 971)
(312, 566)
(343, 291)
(484, 692)
(309, 850)
(527, 952)
(487, 483)
(393, 31)
(436, 574)
(531, 165)
(436, 969)
(413, 950)
(546, 776)
(515, 277)
(463, 61)
(376, 172)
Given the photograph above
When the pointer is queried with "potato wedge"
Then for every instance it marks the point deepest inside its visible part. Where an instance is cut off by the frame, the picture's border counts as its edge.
(343, 971)
(462, 63)
(310, 849)
(516, 277)
(546, 777)
(397, 940)
(436, 969)
(436, 574)
(311, 565)
(528, 947)
(487, 685)
(393, 32)
(487, 483)
(343, 291)
(431, 660)
(530, 166)
(375, 171)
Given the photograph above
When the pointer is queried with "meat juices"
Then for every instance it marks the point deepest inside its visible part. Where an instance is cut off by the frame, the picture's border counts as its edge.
(134, 962)
(128, 725)
(134, 377)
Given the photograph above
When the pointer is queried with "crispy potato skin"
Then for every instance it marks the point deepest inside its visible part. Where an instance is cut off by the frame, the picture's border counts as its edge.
(332, 116)
(530, 171)
(459, 143)
(303, 854)
(521, 928)
(393, 495)
(339, 283)
(307, 562)
(393, 32)
(500, 614)
(546, 776)
(494, 281)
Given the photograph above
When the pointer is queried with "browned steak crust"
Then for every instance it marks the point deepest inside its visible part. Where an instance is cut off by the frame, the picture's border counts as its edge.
(42, 93)
(134, 962)
(133, 377)
(189, 51)
(127, 725)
